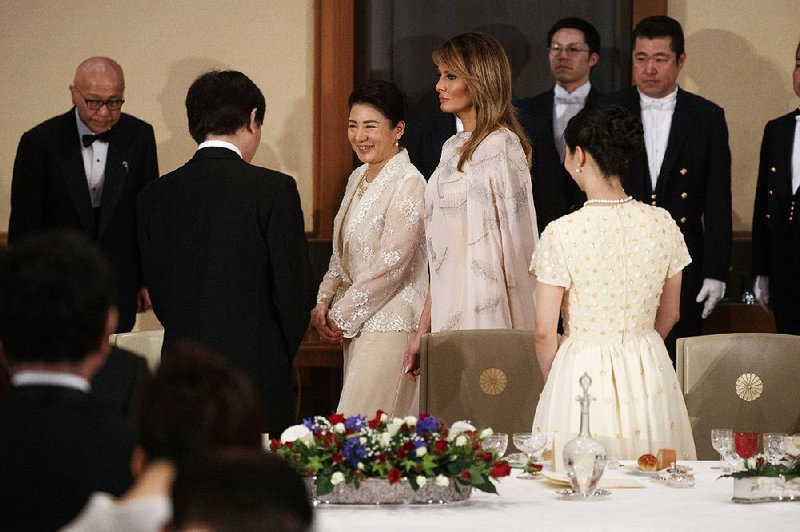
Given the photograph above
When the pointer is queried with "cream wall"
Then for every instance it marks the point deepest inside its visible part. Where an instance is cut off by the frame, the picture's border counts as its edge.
(740, 54)
(162, 46)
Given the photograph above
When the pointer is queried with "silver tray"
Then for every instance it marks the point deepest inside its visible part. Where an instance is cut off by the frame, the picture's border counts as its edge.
(379, 491)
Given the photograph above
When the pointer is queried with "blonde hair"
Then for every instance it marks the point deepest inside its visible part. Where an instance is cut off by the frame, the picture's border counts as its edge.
(481, 61)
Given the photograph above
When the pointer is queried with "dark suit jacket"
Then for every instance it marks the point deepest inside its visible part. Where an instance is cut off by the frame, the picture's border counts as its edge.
(57, 446)
(694, 186)
(424, 141)
(776, 230)
(554, 191)
(226, 260)
(49, 190)
(119, 384)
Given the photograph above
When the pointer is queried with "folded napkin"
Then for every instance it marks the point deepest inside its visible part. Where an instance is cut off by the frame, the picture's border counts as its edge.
(605, 483)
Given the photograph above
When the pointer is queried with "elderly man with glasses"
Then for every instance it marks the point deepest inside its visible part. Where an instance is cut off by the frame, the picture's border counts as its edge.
(83, 170)
(573, 46)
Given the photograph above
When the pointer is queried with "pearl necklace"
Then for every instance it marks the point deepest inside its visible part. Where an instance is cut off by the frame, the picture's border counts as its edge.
(617, 201)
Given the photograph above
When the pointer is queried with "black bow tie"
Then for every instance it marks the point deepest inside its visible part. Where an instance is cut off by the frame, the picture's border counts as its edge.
(102, 137)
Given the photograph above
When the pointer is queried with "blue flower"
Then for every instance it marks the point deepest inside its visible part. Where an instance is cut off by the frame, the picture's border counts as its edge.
(429, 424)
(355, 422)
(308, 423)
(353, 451)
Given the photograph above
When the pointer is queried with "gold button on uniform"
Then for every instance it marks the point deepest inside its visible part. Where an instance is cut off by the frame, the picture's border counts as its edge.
(683, 219)
(768, 217)
(773, 169)
(770, 193)
(684, 171)
(684, 195)
(652, 196)
(652, 203)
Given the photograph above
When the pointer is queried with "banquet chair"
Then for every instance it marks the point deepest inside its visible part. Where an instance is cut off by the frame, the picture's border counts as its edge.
(489, 377)
(144, 343)
(741, 381)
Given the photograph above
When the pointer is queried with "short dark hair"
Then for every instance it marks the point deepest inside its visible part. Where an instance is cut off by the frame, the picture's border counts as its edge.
(660, 26)
(590, 34)
(197, 400)
(609, 132)
(219, 103)
(384, 96)
(245, 491)
(56, 289)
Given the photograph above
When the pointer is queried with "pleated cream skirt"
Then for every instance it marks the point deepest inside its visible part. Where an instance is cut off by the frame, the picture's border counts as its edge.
(373, 376)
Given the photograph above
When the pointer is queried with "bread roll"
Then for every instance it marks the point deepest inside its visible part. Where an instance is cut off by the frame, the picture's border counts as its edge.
(648, 462)
(666, 457)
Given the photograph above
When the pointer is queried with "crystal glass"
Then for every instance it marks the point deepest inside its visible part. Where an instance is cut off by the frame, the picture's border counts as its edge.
(530, 443)
(745, 443)
(497, 441)
(722, 441)
(773, 447)
(584, 457)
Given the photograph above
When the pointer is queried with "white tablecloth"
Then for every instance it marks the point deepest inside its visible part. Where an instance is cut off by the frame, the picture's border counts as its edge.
(534, 505)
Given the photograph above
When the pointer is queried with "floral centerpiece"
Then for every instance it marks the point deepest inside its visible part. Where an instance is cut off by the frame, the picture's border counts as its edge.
(419, 451)
(761, 481)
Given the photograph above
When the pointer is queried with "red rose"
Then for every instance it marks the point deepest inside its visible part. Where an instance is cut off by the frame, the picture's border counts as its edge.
(329, 439)
(380, 459)
(310, 471)
(289, 444)
(274, 444)
(372, 423)
(357, 473)
(464, 474)
(760, 462)
(394, 475)
(423, 416)
(486, 457)
(408, 446)
(337, 458)
(336, 418)
(440, 446)
(378, 415)
(500, 469)
(401, 453)
(475, 446)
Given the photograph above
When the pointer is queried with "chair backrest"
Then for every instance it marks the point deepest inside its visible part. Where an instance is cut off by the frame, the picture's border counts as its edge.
(742, 381)
(489, 377)
(145, 343)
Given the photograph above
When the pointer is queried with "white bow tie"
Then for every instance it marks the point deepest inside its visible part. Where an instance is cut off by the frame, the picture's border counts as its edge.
(659, 105)
(570, 100)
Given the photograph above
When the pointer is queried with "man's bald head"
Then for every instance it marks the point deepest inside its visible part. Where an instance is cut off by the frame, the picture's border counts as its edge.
(101, 79)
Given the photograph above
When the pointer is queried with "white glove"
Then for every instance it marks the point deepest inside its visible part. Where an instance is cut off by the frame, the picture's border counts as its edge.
(711, 293)
(761, 291)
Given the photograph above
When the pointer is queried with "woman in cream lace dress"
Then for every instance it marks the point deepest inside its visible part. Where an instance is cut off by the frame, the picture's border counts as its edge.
(613, 268)
(480, 223)
(372, 295)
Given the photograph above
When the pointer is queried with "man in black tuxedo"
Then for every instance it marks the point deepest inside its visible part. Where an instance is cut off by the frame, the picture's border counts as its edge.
(684, 168)
(573, 50)
(776, 229)
(224, 251)
(83, 170)
(57, 444)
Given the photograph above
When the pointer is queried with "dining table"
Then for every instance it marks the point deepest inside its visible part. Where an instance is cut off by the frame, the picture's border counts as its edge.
(534, 504)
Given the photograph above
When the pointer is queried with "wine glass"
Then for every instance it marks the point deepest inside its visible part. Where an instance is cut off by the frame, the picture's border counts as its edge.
(530, 443)
(773, 446)
(722, 441)
(497, 442)
(745, 443)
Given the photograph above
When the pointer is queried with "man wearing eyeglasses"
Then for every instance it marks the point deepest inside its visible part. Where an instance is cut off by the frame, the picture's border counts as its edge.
(573, 46)
(685, 166)
(83, 170)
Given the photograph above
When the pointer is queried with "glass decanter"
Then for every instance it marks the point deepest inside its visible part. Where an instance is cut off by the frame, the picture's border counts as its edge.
(584, 458)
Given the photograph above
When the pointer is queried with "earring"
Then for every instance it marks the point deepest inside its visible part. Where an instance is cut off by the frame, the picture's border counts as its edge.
(397, 143)
(579, 169)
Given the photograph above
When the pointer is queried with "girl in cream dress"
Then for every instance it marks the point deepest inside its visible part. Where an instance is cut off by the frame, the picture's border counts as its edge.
(613, 268)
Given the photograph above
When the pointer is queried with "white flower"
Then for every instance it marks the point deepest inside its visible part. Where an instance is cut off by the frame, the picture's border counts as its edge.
(360, 466)
(386, 439)
(411, 421)
(485, 433)
(337, 477)
(298, 432)
(339, 427)
(393, 426)
(750, 463)
(384, 417)
(442, 481)
(459, 427)
(421, 481)
(363, 440)
(421, 451)
(461, 440)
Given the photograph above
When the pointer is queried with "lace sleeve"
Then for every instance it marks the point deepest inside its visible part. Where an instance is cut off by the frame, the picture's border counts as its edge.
(389, 268)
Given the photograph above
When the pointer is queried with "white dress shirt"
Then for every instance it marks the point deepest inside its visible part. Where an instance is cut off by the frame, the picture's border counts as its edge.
(657, 122)
(565, 106)
(51, 378)
(796, 157)
(94, 162)
(219, 144)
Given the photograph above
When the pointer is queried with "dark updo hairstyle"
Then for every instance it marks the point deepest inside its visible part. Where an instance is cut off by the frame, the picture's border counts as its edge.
(609, 132)
(384, 96)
